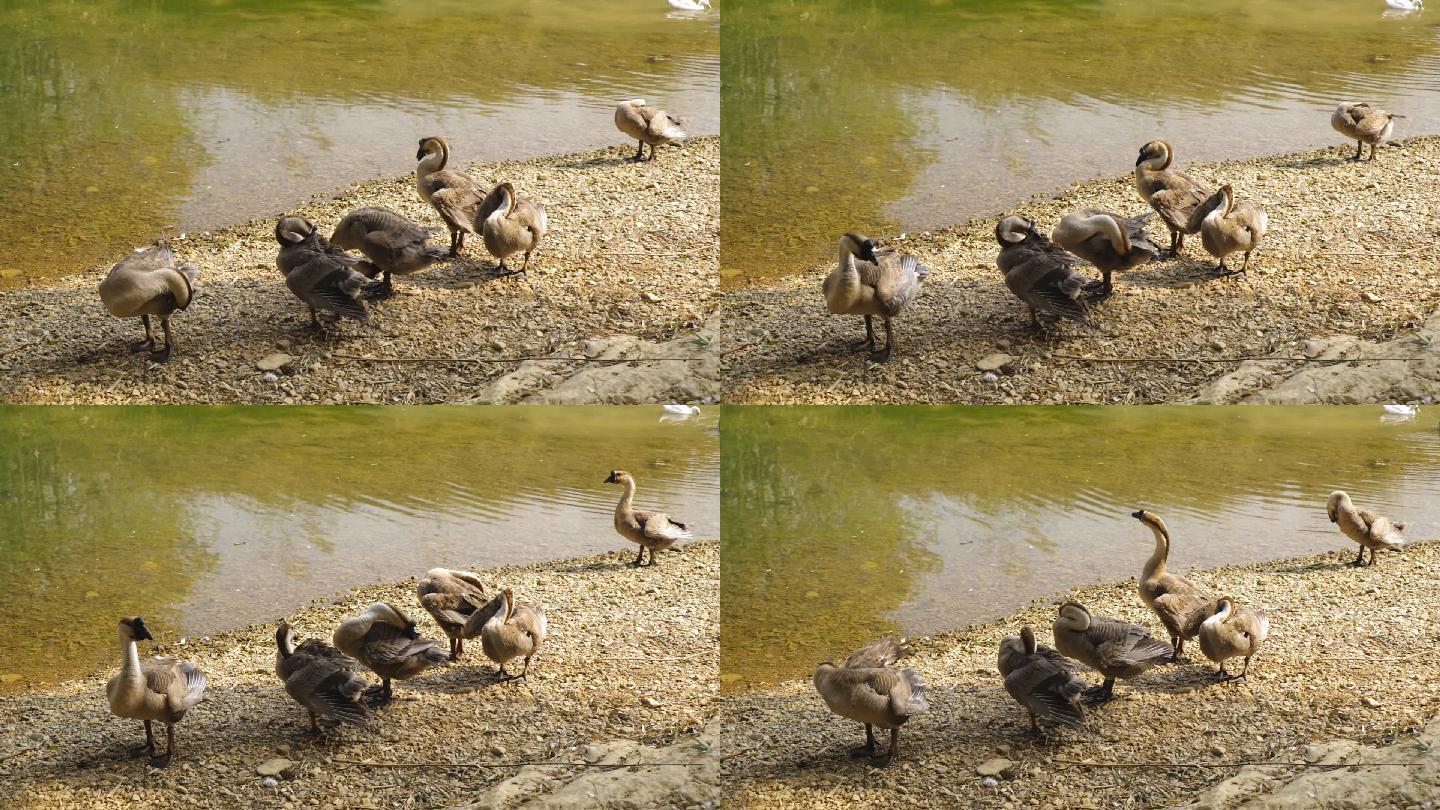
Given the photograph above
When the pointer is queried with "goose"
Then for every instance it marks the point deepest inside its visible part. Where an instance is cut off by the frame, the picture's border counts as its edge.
(681, 410)
(452, 597)
(648, 125)
(385, 640)
(1114, 648)
(322, 276)
(1040, 274)
(702, 5)
(1233, 632)
(391, 242)
(1401, 410)
(508, 631)
(1108, 241)
(1181, 604)
(320, 678)
(882, 283)
(1229, 227)
(1172, 193)
(869, 689)
(655, 531)
(150, 282)
(1042, 680)
(1363, 124)
(458, 199)
(1370, 530)
(1402, 5)
(513, 225)
(158, 689)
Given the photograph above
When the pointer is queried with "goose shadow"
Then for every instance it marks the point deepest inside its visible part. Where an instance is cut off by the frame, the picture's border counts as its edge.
(1176, 274)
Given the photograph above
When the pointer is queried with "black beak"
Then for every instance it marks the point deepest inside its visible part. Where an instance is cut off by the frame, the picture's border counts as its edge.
(1138, 515)
(143, 633)
(1140, 159)
(610, 480)
(420, 154)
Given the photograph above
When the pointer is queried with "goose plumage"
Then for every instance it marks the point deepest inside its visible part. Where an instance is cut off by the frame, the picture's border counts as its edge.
(150, 282)
(459, 200)
(648, 125)
(1108, 241)
(452, 597)
(508, 631)
(1233, 632)
(158, 689)
(321, 275)
(1227, 226)
(873, 282)
(1042, 680)
(325, 681)
(868, 688)
(1172, 193)
(384, 639)
(1039, 273)
(1363, 124)
(513, 225)
(1181, 604)
(1113, 647)
(392, 243)
(1365, 527)
(655, 531)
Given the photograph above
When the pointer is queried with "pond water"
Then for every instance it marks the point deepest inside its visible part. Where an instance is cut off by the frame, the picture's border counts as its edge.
(844, 524)
(904, 116)
(207, 519)
(122, 120)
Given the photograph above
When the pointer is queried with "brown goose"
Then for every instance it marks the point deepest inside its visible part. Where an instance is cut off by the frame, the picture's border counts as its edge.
(1114, 648)
(881, 283)
(650, 530)
(508, 631)
(1233, 632)
(1042, 680)
(157, 689)
(512, 225)
(1365, 527)
(458, 199)
(320, 678)
(392, 243)
(1172, 193)
(1039, 273)
(150, 282)
(647, 125)
(1108, 241)
(869, 689)
(322, 276)
(452, 597)
(1181, 604)
(385, 640)
(1363, 124)
(1229, 227)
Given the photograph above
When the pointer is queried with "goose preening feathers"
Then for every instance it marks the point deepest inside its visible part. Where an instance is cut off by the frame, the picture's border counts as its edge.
(1108, 241)
(392, 243)
(150, 282)
(321, 275)
(512, 225)
(452, 597)
(508, 631)
(1172, 193)
(1370, 530)
(1114, 648)
(158, 689)
(873, 282)
(1233, 632)
(868, 688)
(320, 678)
(648, 124)
(1039, 273)
(1363, 123)
(1181, 604)
(655, 531)
(386, 640)
(1042, 680)
(1229, 227)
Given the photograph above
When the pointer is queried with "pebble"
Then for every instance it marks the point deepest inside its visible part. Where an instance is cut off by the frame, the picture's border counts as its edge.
(994, 362)
(997, 766)
(274, 767)
(274, 361)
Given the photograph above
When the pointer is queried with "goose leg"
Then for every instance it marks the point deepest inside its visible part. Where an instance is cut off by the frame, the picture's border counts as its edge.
(148, 344)
(889, 756)
(868, 749)
(164, 354)
(164, 759)
(652, 558)
(639, 558)
(1359, 149)
(639, 152)
(869, 341)
(526, 264)
(1246, 265)
(1103, 286)
(314, 723)
(881, 357)
(1178, 644)
(1359, 558)
(148, 749)
(1373, 146)
(1104, 693)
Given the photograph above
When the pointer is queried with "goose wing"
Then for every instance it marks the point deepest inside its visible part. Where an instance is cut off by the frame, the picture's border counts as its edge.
(878, 654)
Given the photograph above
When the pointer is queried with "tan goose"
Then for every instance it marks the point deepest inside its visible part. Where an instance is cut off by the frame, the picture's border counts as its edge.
(1181, 604)
(647, 125)
(1233, 632)
(1229, 227)
(1108, 241)
(1370, 530)
(320, 678)
(1114, 648)
(651, 530)
(508, 631)
(320, 275)
(1172, 193)
(881, 283)
(1363, 124)
(869, 689)
(452, 597)
(1042, 680)
(156, 690)
(392, 243)
(385, 640)
(1039, 273)
(512, 226)
(458, 199)
(150, 282)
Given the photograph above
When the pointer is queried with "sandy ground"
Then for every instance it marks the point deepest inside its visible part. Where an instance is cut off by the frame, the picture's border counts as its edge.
(628, 675)
(1351, 662)
(627, 270)
(1352, 251)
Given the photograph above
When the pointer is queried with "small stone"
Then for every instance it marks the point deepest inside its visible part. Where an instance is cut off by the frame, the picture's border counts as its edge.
(274, 361)
(1370, 702)
(994, 362)
(649, 702)
(274, 767)
(989, 377)
(269, 782)
(650, 297)
(269, 377)
(990, 782)
(998, 766)
(1370, 298)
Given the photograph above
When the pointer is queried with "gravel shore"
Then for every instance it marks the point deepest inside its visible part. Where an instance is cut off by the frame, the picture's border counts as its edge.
(1351, 662)
(624, 688)
(628, 270)
(1352, 251)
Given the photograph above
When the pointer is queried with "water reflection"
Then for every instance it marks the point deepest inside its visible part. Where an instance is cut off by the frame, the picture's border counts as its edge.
(845, 523)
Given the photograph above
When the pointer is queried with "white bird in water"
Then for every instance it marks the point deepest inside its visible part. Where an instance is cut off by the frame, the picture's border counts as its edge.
(1403, 5)
(682, 410)
(701, 5)
(1401, 410)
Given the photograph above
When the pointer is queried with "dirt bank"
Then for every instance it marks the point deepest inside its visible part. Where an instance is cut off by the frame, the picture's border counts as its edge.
(1352, 251)
(631, 257)
(628, 676)
(1351, 662)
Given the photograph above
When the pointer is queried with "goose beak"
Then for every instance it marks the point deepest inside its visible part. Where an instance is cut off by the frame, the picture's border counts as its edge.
(1139, 515)
(1140, 159)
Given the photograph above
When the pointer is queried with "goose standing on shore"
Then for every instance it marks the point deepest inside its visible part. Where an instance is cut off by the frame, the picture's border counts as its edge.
(1363, 124)
(322, 276)
(1172, 193)
(869, 689)
(881, 283)
(508, 631)
(1039, 273)
(1233, 632)
(456, 198)
(513, 225)
(150, 282)
(1042, 680)
(1370, 530)
(392, 243)
(320, 678)
(452, 597)
(647, 125)
(651, 530)
(157, 689)
(1108, 241)
(1229, 227)
(385, 640)
(1181, 604)
(1114, 648)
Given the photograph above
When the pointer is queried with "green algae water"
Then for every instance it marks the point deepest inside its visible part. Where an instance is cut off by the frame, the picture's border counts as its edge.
(205, 519)
(846, 523)
(122, 121)
(917, 114)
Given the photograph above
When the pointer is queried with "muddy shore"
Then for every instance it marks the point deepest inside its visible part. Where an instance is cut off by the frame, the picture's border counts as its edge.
(618, 705)
(627, 272)
(1350, 269)
(1351, 665)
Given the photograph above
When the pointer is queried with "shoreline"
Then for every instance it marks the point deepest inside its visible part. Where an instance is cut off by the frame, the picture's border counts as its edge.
(1323, 286)
(628, 677)
(1349, 666)
(619, 303)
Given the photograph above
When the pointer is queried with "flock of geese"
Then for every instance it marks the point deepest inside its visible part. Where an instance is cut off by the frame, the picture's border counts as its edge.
(327, 679)
(869, 688)
(1041, 271)
(151, 282)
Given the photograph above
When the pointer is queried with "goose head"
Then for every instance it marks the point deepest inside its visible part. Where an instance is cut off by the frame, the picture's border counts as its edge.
(859, 245)
(1074, 616)
(1027, 638)
(285, 639)
(293, 230)
(1155, 152)
(1338, 500)
(1223, 607)
(1152, 520)
(133, 629)
(822, 671)
(389, 614)
(1227, 199)
(618, 477)
(1013, 230)
(431, 145)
